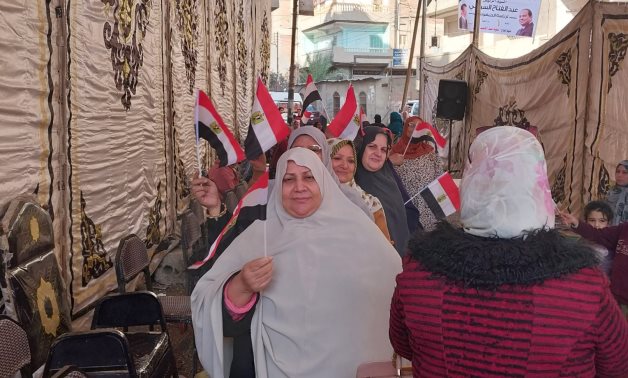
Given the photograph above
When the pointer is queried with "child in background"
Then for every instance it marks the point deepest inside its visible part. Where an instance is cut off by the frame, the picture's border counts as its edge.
(615, 239)
(599, 214)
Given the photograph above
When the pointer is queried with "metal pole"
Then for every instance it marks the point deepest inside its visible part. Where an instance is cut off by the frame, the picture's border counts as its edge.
(476, 22)
(292, 68)
(397, 24)
(409, 70)
(422, 54)
(277, 56)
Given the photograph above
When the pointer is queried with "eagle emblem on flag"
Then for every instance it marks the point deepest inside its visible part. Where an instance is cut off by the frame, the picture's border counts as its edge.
(356, 119)
(257, 117)
(215, 128)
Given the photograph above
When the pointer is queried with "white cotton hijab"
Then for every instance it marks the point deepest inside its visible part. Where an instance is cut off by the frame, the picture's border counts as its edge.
(504, 190)
(327, 307)
(319, 137)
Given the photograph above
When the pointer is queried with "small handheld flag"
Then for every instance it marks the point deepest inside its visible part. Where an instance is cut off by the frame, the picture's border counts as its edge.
(266, 127)
(251, 207)
(210, 126)
(311, 95)
(425, 129)
(442, 196)
(347, 122)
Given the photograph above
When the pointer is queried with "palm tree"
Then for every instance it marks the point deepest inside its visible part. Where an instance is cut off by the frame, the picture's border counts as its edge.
(319, 65)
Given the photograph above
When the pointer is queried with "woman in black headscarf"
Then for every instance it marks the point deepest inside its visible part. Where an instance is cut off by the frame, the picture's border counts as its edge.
(375, 175)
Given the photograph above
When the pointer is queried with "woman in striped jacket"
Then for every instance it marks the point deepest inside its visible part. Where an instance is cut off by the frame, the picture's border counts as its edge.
(506, 295)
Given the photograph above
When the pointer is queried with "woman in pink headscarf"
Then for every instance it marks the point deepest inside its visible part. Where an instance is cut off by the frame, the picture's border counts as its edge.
(506, 295)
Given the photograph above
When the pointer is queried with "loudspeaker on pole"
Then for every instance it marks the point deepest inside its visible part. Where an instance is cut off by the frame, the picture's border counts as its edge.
(452, 99)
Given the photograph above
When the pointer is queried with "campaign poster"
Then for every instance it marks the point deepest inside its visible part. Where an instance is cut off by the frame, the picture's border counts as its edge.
(509, 17)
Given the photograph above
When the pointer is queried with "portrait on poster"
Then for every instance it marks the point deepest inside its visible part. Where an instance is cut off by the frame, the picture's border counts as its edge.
(509, 17)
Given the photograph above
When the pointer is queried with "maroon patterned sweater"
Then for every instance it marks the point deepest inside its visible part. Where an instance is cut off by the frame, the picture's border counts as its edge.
(615, 239)
(467, 306)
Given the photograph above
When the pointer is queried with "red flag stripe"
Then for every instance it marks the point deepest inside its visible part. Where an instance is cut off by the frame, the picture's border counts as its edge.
(207, 112)
(278, 126)
(424, 126)
(343, 124)
(450, 187)
(255, 196)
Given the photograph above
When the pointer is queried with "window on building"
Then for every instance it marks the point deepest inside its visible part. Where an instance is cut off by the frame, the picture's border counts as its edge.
(402, 40)
(336, 103)
(376, 42)
(362, 98)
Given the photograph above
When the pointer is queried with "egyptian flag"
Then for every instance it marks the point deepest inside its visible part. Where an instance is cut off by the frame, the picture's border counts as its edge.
(210, 126)
(251, 207)
(424, 130)
(311, 95)
(267, 127)
(442, 196)
(347, 122)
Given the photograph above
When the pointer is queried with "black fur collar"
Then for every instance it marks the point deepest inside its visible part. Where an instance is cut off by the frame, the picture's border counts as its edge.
(487, 263)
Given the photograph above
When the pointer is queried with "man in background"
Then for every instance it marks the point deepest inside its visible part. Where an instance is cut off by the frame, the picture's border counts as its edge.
(525, 20)
(462, 20)
(378, 121)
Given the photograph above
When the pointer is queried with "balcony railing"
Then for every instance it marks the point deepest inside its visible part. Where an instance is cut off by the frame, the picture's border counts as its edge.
(354, 55)
(367, 50)
(369, 10)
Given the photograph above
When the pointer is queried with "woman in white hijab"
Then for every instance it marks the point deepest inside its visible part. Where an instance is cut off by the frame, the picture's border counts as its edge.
(324, 287)
(314, 140)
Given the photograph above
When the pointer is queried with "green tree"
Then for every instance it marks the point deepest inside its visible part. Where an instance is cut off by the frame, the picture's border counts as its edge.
(277, 82)
(319, 65)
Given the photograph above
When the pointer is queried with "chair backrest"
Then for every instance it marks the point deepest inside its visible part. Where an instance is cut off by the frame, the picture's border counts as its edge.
(32, 285)
(139, 308)
(131, 260)
(190, 233)
(70, 371)
(95, 351)
(15, 353)
(29, 231)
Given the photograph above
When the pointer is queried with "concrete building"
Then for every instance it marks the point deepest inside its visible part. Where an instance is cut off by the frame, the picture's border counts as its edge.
(553, 16)
(361, 38)
(373, 94)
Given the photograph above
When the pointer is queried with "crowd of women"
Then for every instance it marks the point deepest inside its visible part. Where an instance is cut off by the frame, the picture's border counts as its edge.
(347, 267)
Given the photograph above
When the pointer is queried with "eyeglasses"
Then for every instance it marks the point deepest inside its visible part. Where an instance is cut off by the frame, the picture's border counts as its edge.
(315, 148)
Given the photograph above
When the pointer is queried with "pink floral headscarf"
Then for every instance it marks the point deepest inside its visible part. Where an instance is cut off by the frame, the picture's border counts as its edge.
(504, 190)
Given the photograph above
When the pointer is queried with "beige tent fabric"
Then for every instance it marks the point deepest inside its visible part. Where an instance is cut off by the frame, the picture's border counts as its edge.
(222, 57)
(546, 88)
(28, 132)
(189, 73)
(116, 145)
(243, 78)
(104, 135)
(259, 52)
(606, 136)
(456, 70)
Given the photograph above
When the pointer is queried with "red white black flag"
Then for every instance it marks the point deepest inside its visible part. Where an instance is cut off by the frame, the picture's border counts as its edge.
(425, 130)
(347, 122)
(266, 127)
(251, 207)
(210, 126)
(311, 95)
(442, 196)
